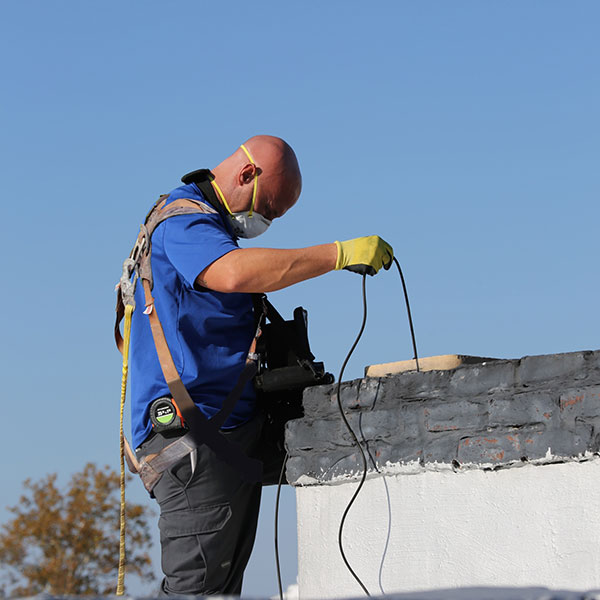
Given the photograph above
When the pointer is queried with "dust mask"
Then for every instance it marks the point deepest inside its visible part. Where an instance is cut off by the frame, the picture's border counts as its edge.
(249, 224)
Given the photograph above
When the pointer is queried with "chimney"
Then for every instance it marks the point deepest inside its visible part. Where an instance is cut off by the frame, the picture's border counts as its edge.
(481, 472)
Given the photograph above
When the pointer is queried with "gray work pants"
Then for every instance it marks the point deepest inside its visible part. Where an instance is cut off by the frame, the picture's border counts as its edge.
(207, 518)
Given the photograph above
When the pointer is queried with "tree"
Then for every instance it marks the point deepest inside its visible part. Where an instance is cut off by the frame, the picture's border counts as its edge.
(67, 541)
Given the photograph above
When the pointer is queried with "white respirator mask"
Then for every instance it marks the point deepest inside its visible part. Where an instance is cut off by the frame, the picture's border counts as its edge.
(246, 224)
(249, 224)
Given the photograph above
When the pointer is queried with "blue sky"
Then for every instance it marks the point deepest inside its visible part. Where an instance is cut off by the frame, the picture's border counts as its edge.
(465, 133)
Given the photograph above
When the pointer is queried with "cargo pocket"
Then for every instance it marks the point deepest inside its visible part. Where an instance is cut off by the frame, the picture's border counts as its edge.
(191, 552)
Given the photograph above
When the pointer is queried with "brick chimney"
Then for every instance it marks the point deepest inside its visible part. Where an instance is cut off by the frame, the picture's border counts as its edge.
(482, 472)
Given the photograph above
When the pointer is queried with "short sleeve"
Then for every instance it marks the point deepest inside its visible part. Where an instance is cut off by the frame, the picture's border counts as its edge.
(193, 242)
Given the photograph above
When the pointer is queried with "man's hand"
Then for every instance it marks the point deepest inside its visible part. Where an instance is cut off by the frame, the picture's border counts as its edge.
(364, 255)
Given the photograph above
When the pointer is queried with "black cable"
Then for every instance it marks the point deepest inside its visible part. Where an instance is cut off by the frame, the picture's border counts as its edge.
(277, 526)
(410, 321)
(362, 452)
(354, 437)
(339, 400)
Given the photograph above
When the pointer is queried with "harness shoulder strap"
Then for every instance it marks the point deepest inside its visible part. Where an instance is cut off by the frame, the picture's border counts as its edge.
(202, 430)
(138, 264)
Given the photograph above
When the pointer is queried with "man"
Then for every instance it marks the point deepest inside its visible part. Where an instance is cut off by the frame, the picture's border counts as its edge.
(202, 287)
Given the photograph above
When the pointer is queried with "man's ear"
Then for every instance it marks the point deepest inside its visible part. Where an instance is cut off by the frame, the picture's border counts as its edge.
(246, 174)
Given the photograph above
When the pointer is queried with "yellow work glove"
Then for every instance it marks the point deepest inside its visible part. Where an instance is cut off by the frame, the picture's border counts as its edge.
(364, 255)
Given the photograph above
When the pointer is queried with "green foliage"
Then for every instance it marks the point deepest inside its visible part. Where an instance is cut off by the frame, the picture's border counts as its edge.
(67, 541)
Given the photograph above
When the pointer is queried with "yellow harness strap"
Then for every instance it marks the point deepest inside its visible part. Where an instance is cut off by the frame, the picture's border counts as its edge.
(126, 337)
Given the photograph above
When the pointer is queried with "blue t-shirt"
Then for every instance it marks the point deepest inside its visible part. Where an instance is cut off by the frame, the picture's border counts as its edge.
(209, 333)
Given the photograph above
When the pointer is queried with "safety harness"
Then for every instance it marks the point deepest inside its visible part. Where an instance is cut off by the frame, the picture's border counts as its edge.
(201, 429)
(281, 359)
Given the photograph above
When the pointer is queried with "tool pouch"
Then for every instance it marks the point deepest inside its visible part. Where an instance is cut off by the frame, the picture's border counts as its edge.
(286, 368)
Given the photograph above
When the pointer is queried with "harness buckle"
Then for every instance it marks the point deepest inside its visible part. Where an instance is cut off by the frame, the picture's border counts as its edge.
(126, 283)
(141, 244)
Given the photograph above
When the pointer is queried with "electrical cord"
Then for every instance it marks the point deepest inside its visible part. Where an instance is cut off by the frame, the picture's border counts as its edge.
(410, 321)
(277, 526)
(351, 431)
(364, 458)
(354, 438)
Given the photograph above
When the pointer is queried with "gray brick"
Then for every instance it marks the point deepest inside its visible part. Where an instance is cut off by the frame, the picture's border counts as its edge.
(368, 391)
(500, 447)
(533, 369)
(494, 447)
(482, 379)
(348, 464)
(359, 394)
(593, 361)
(593, 422)
(580, 403)
(522, 409)
(594, 443)
(568, 443)
(405, 452)
(379, 425)
(454, 416)
(536, 443)
(412, 417)
(323, 466)
(413, 386)
(317, 401)
(330, 434)
(316, 434)
(295, 467)
(403, 421)
(441, 448)
(356, 395)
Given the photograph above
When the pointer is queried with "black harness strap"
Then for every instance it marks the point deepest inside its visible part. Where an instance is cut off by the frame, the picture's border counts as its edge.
(202, 179)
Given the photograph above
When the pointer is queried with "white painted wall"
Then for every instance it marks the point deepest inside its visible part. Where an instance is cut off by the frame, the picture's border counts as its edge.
(535, 525)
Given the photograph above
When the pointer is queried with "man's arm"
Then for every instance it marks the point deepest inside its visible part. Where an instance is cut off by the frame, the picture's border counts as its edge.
(255, 270)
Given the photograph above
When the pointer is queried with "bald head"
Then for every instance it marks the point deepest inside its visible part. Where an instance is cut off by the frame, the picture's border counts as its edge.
(279, 179)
